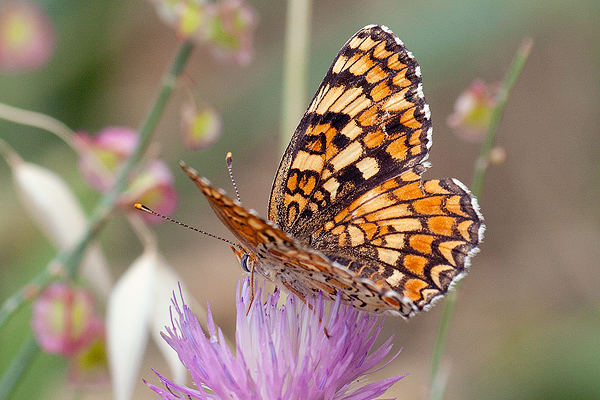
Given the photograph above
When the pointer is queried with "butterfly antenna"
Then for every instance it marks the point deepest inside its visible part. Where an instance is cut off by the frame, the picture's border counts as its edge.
(143, 208)
(229, 161)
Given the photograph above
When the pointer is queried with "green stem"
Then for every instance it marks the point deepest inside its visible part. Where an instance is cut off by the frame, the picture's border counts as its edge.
(38, 120)
(296, 61)
(149, 124)
(438, 381)
(29, 349)
(511, 77)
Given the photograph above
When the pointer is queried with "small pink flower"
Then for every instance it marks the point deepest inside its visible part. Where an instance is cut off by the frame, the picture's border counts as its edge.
(190, 17)
(227, 26)
(89, 366)
(155, 188)
(473, 111)
(64, 320)
(168, 10)
(101, 158)
(231, 29)
(200, 128)
(27, 38)
(497, 155)
(103, 154)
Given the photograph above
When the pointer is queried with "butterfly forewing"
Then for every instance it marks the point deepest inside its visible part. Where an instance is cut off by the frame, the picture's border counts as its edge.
(367, 123)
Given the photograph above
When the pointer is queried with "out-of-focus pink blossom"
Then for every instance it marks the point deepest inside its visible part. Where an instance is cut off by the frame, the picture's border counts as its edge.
(200, 127)
(190, 18)
(103, 154)
(497, 155)
(227, 26)
(155, 188)
(231, 26)
(473, 111)
(89, 366)
(167, 10)
(27, 38)
(64, 320)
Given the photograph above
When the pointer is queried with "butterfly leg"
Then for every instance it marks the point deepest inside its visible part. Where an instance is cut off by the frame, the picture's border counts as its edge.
(252, 288)
(310, 307)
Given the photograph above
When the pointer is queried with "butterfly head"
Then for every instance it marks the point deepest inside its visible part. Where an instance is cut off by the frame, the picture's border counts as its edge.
(244, 257)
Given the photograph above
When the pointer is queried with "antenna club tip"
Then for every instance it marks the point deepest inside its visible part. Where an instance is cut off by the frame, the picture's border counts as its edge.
(229, 158)
(143, 208)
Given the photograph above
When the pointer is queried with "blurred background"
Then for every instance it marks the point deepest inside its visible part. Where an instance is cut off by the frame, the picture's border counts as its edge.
(527, 322)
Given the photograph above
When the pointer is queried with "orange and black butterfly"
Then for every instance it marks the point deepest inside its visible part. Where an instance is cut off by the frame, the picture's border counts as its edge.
(349, 212)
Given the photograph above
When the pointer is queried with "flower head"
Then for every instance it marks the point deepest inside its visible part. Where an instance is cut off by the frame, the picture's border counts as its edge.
(230, 28)
(27, 38)
(155, 187)
(473, 110)
(226, 26)
(296, 351)
(64, 321)
(200, 127)
(89, 366)
(103, 155)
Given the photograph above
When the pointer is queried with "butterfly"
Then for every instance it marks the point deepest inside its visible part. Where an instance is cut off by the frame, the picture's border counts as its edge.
(349, 212)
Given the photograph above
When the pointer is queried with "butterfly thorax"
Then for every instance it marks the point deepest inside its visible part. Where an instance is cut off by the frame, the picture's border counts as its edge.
(278, 261)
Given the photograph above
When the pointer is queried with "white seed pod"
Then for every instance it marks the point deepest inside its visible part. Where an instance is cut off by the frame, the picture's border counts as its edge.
(57, 212)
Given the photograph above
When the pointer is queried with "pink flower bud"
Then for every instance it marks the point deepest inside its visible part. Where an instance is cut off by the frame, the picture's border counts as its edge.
(63, 319)
(200, 128)
(89, 367)
(226, 25)
(473, 111)
(230, 30)
(190, 18)
(103, 154)
(497, 155)
(155, 188)
(27, 38)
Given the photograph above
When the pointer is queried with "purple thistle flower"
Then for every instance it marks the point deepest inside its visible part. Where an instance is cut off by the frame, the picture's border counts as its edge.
(294, 351)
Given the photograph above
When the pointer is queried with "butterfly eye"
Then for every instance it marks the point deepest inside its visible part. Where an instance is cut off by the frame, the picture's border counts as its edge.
(245, 263)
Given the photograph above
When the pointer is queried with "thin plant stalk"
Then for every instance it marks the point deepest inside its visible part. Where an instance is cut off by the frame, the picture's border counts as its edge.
(19, 364)
(513, 73)
(438, 378)
(148, 125)
(295, 66)
(68, 260)
(38, 120)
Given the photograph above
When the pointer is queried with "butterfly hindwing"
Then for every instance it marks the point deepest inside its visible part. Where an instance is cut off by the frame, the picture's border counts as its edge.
(412, 238)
